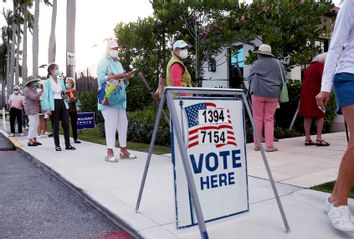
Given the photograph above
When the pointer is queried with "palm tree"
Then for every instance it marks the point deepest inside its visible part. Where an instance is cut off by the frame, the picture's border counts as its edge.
(52, 40)
(70, 34)
(10, 80)
(35, 42)
(17, 60)
(26, 22)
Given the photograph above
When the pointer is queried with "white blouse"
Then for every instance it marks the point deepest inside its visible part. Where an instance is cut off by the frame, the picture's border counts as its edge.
(340, 57)
(56, 88)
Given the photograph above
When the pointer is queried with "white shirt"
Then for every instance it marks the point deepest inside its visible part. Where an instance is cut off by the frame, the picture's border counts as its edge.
(56, 88)
(340, 57)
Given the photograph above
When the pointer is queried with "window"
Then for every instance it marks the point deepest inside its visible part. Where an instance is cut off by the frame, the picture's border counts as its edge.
(212, 65)
(236, 65)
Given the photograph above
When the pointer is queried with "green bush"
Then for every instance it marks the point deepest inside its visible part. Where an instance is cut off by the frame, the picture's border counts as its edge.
(89, 104)
(141, 126)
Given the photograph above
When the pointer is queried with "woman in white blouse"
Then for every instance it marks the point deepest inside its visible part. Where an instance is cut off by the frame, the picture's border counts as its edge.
(339, 73)
(55, 104)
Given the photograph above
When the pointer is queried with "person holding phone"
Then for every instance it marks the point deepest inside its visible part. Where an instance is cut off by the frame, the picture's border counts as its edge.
(54, 103)
(339, 74)
(110, 73)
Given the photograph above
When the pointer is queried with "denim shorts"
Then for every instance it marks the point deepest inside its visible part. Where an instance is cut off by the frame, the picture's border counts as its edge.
(343, 86)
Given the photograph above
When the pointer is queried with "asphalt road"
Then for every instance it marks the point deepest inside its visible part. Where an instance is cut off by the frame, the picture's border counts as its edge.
(34, 204)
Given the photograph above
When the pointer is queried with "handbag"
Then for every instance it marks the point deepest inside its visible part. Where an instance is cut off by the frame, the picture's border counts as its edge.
(284, 94)
(111, 94)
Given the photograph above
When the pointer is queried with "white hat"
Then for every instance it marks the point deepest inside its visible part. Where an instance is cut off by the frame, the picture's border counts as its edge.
(180, 44)
(265, 49)
(112, 44)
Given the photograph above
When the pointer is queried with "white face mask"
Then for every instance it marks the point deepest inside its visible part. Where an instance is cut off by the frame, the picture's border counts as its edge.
(183, 54)
(113, 53)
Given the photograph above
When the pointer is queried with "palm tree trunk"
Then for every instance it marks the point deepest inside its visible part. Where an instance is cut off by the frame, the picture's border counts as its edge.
(35, 43)
(10, 81)
(52, 40)
(24, 50)
(8, 57)
(70, 35)
(17, 64)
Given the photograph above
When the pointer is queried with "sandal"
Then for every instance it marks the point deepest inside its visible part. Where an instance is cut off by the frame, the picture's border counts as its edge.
(271, 149)
(57, 148)
(70, 148)
(111, 159)
(31, 144)
(321, 143)
(129, 156)
(309, 142)
(38, 143)
(257, 148)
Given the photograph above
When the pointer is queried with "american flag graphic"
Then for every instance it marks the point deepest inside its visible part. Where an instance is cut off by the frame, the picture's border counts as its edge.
(194, 126)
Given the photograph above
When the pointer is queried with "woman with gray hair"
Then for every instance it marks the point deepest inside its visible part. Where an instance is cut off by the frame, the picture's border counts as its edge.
(309, 110)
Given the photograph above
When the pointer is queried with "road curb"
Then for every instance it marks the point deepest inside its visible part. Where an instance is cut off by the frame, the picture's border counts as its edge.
(103, 210)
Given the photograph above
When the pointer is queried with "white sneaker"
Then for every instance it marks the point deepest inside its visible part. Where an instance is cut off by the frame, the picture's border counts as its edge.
(327, 205)
(11, 135)
(340, 218)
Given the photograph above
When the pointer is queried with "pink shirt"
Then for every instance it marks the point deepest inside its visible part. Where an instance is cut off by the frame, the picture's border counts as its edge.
(16, 101)
(177, 71)
(176, 74)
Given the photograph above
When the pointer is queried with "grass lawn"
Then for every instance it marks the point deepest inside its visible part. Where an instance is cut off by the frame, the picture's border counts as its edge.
(93, 136)
(327, 187)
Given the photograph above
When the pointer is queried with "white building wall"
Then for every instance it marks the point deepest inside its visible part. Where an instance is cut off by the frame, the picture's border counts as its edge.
(220, 78)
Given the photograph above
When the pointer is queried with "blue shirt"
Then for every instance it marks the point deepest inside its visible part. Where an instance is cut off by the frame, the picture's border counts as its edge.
(104, 68)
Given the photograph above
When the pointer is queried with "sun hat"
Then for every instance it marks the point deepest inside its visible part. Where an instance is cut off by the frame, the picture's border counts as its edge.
(112, 44)
(265, 49)
(180, 44)
(31, 79)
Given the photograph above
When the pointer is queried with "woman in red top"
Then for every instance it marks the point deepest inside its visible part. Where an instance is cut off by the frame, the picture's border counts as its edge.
(311, 86)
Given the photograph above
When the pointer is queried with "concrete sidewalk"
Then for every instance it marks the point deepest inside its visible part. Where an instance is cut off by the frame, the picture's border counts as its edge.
(115, 186)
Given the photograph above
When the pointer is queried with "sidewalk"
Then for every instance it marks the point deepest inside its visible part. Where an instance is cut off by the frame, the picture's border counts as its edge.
(115, 186)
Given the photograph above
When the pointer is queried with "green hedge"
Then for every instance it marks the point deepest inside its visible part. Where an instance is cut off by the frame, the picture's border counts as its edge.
(141, 126)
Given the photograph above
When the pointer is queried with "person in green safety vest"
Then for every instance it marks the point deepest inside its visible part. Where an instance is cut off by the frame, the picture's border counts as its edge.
(176, 72)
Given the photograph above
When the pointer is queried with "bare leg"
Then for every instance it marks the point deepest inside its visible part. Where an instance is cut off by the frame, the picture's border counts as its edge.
(110, 153)
(345, 177)
(319, 124)
(307, 127)
(44, 126)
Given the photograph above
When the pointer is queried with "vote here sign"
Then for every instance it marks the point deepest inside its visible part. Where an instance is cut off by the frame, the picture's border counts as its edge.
(214, 136)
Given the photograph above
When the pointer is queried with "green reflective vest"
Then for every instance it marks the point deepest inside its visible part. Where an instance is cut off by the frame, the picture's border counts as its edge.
(186, 77)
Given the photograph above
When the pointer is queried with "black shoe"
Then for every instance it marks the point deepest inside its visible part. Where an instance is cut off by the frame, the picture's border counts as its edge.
(38, 143)
(57, 148)
(32, 144)
(70, 147)
(77, 142)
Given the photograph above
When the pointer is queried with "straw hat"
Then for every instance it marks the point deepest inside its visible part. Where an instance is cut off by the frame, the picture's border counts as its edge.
(265, 49)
